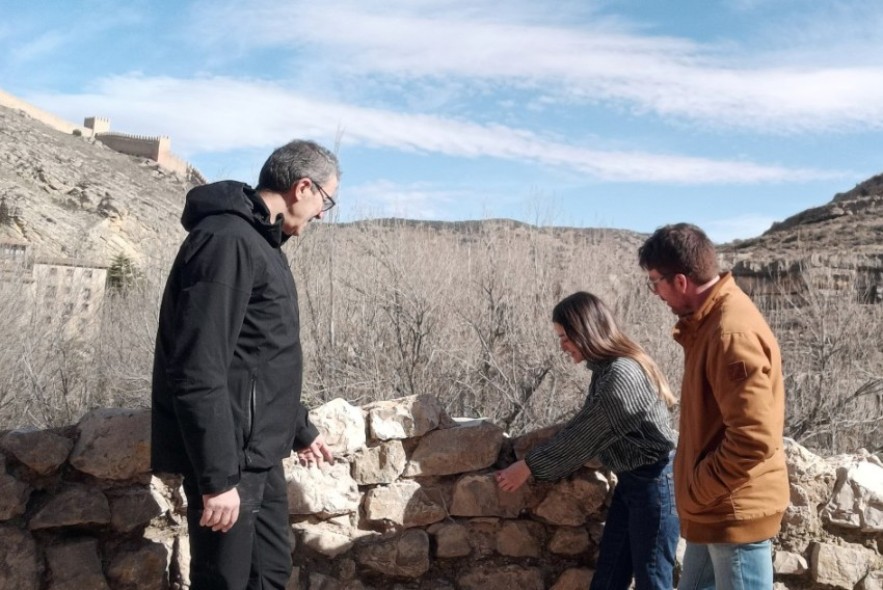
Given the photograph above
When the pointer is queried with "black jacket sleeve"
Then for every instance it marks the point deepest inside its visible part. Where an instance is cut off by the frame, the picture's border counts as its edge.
(216, 278)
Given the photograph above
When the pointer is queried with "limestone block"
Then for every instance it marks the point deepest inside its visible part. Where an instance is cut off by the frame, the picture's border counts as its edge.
(405, 555)
(40, 450)
(331, 537)
(787, 563)
(569, 541)
(839, 566)
(75, 566)
(327, 490)
(75, 505)
(403, 503)
(518, 538)
(479, 495)
(181, 559)
(857, 501)
(383, 463)
(143, 568)
(489, 577)
(573, 500)
(114, 444)
(574, 579)
(131, 508)
(342, 424)
(18, 560)
(451, 540)
(405, 417)
(14, 495)
(456, 450)
(482, 534)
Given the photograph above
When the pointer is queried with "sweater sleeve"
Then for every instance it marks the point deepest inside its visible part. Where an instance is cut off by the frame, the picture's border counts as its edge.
(739, 371)
(217, 276)
(611, 411)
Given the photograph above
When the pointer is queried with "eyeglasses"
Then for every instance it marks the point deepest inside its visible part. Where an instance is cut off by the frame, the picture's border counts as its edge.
(327, 201)
(653, 284)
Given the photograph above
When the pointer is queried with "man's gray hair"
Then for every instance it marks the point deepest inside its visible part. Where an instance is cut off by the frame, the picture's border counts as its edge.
(295, 160)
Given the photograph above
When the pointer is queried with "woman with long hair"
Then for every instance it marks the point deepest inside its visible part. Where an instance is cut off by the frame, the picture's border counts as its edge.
(626, 423)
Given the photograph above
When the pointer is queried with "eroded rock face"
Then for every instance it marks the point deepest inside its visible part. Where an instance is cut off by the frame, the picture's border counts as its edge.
(841, 566)
(113, 444)
(479, 495)
(382, 463)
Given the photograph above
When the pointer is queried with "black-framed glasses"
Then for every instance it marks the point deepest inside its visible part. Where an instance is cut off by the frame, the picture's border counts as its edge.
(327, 201)
(653, 284)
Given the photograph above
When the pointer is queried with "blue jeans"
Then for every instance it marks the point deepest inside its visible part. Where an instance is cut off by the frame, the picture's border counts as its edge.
(641, 533)
(727, 566)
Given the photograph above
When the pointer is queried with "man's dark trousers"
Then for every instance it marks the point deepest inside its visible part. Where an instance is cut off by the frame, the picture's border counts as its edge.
(253, 555)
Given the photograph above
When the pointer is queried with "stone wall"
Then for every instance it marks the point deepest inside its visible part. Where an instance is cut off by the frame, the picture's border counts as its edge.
(409, 502)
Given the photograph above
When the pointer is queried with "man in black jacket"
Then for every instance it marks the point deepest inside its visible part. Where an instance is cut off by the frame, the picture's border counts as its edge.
(228, 367)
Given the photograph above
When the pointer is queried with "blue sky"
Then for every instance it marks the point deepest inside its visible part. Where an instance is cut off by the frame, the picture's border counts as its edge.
(628, 114)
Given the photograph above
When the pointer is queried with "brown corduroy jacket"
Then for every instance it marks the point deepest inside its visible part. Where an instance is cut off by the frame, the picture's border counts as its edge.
(731, 482)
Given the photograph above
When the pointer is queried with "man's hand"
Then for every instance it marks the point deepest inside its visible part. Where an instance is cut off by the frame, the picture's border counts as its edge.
(513, 477)
(315, 454)
(220, 511)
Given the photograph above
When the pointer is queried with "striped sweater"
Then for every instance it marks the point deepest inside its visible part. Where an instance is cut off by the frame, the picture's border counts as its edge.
(623, 422)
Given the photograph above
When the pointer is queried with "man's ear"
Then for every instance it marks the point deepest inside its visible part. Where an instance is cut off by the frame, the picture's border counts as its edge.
(296, 192)
(681, 282)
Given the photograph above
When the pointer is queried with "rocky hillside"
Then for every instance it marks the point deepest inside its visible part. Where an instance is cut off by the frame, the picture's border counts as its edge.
(72, 197)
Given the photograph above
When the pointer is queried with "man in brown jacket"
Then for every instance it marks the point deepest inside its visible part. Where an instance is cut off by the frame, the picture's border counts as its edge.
(731, 484)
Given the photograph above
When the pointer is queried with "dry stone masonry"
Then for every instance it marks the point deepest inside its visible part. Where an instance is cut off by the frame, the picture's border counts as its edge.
(409, 502)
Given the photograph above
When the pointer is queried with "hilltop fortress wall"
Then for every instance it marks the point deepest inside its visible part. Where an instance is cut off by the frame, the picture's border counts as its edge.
(158, 149)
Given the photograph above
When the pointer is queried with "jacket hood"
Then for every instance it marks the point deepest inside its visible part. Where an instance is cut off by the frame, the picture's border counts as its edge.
(231, 198)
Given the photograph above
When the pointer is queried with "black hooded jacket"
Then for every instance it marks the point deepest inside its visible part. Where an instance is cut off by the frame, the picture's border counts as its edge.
(228, 364)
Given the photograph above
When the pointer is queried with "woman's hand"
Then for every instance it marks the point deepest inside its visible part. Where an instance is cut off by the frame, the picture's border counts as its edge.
(513, 477)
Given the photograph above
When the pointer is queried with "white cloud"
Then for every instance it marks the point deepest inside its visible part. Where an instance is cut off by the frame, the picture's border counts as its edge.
(735, 86)
(221, 114)
(739, 227)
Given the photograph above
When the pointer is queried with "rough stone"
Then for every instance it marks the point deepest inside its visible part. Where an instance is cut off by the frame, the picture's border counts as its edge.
(569, 541)
(405, 555)
(574, 579)
(14, 495)
(788, 563)
(114, 444)
(572, 501)
(482, 534)
(403, 503)
(456, 450)
(75, 566)
(40, 450)
(486, 577)
(839, 566)
(383, 463)
(76, 505)
(342, 424)
(479, 495)
(858, 498)
(143, 568)
(451, 540)
(134, 507)
(519, 539)
(327, 490)
(18, 560)
(331, 537)
(405, 417)
(873, 581)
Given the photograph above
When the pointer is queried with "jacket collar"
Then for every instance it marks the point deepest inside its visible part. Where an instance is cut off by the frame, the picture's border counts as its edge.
(690, 323)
